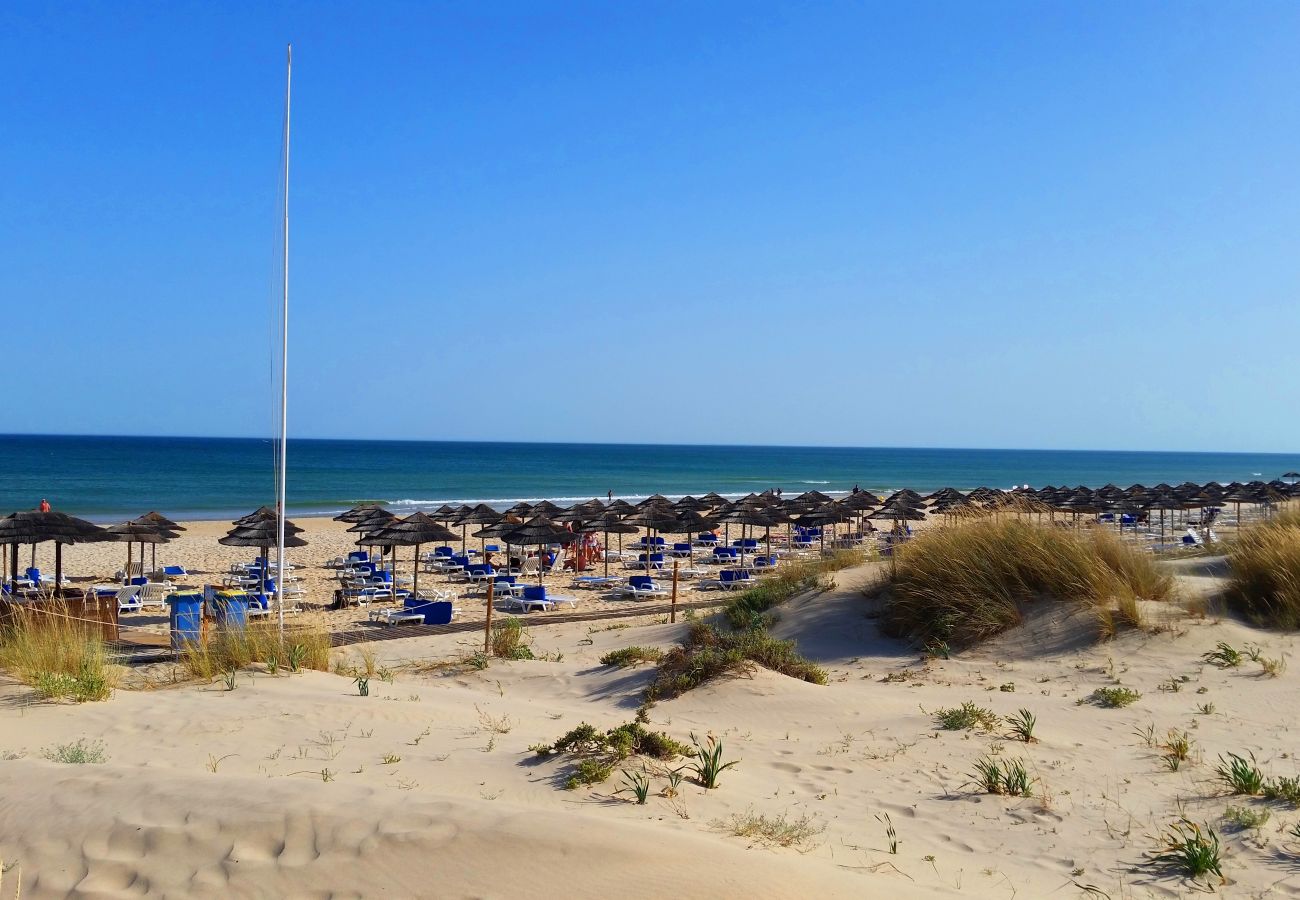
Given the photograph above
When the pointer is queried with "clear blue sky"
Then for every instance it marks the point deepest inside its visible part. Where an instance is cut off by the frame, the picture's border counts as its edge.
(955, 224)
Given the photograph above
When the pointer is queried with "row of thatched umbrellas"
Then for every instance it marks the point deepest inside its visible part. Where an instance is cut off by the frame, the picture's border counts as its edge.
(545, 523)
(37, 527)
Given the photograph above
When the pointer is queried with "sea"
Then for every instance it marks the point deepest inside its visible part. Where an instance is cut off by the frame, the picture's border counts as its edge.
(110, 478)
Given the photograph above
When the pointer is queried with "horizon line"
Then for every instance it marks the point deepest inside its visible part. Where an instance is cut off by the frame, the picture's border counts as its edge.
(269, 439)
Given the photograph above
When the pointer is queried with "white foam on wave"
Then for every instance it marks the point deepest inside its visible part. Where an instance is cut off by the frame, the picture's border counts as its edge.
(504, 502)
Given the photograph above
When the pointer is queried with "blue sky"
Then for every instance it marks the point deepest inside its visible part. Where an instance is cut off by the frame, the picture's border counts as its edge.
(945, 224)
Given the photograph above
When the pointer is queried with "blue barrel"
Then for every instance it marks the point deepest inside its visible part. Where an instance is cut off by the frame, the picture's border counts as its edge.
(186, 617)
(230, 609)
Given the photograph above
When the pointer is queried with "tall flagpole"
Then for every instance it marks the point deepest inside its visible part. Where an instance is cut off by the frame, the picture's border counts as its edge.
(284, 357)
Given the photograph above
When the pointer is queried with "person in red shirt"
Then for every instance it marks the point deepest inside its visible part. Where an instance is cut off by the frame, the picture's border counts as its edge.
(45, 505)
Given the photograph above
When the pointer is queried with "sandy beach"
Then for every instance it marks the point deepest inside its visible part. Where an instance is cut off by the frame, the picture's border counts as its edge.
(208, 562)
(294, 785)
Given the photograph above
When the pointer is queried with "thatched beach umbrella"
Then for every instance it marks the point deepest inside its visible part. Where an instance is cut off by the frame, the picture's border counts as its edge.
(653, 517)
(132, 533)
(35, 527)
(263, 533)
(609, 523)
(539, 531)
(544, 508)
(478, 515)
(750, 514)
(1162, 503)
(166, 524)
(368, 523)
(416, 529)
(359, 513)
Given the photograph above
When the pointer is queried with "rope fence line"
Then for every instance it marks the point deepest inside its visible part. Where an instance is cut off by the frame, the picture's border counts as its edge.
(130, 652)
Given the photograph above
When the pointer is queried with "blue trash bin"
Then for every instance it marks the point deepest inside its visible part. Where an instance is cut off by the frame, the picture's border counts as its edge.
(186, 617)
(230, 610)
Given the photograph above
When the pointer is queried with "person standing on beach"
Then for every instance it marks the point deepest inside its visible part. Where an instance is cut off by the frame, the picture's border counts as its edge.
(45, 505)
(610, 495)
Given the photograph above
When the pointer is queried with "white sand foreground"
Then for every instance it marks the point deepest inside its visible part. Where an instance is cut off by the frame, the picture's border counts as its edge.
(281, 788)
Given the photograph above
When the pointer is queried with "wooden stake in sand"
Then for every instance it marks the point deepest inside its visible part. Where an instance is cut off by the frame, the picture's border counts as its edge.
(487, 623)
(673, 616)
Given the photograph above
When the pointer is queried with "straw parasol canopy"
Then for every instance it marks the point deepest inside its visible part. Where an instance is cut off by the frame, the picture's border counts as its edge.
(539, 531)
(263, 533)
(482, 514)
(751, 513)
(136, 532)
(157, 518)
(416, 529)
(607, 523)
(35, 527)
(358, 513)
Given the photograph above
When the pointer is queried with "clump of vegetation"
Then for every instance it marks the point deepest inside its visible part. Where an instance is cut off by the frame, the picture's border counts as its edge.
(600, 751)
(1177, 749)
(638, 783)
(1003, 776)
(509, 642)
(304, 646)
(1282, 789)
(1115, 697)
(631, 656)
(965, 583)
(1264, 580)
(708, 763)
(966, 717)
(778, 831)
(1240, 775)
(1022, 725)
(1185, 848)
(58, 656)
(747, 609)
(1245, 817)
(1224, 655)
(80, 753)
(709, 653)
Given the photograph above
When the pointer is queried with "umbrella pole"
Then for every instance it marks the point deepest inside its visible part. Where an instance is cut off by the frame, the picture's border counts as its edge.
(415, 575)
(673, 615)
(130, 546)
(487, 622)
(58, 567)
(604, 551)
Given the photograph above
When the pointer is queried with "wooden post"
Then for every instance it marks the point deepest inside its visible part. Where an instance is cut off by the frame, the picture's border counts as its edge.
(487, 623)
(673, 616)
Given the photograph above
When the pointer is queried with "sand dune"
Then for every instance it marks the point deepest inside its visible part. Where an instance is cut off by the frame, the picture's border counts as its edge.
(302, 802)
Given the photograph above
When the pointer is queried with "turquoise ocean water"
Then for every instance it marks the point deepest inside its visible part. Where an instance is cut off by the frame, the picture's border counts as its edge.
(108, 478)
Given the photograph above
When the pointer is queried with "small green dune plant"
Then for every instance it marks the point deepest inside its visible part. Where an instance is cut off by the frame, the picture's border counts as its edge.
(1240, 775)
(1186, 848)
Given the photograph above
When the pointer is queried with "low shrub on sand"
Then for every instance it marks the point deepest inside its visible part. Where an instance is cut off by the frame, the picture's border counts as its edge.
(709, 653)
(60, 657)
(746, 609)
(964, 583)
(598, 752)
(1264, 582)
(304, 646)
(631, 656)
(509, 642)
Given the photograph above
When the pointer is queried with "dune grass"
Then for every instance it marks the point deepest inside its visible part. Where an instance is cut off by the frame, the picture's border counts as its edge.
(746, 609)
(967, 582)
(1264, 579)
(708, 653)
(60, 657)
(305, 646)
